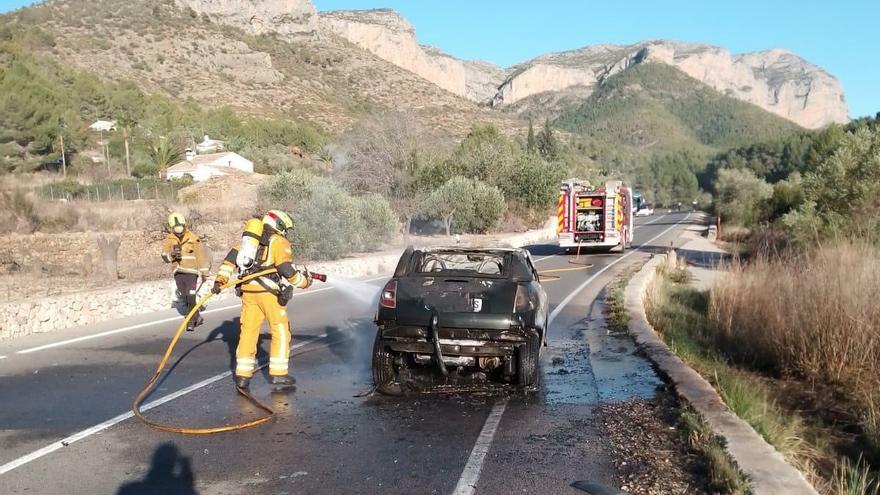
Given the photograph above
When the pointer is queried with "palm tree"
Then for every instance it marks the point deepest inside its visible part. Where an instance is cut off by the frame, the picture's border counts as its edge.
(126, 122)
(164, 153)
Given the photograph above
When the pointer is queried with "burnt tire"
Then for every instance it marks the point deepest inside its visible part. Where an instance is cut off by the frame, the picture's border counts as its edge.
(383, 367)
(527, 356)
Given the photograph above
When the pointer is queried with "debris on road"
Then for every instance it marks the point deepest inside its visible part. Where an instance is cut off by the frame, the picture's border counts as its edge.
(649, 453)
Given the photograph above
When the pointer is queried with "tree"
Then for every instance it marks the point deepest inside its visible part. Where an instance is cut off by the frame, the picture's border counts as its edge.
(386, 154)
(484, 154)
(841, 195)
(546, 142)
(531, 142)
(165, 153)
(740, 196)
(466, 205)
(126, 121)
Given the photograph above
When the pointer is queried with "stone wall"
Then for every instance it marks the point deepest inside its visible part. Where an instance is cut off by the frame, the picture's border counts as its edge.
(54, 313)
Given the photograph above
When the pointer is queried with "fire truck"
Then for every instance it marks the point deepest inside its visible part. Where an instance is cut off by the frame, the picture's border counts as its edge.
(594, 217)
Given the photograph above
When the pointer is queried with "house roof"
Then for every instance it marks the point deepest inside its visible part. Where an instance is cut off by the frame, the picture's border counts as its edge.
(103, 125)
(213, 160)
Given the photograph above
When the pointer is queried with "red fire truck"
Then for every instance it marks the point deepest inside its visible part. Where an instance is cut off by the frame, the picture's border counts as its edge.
(594, 217)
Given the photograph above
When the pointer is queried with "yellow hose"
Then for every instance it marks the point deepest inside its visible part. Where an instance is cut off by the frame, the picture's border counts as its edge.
(136, 405)
(581, 266)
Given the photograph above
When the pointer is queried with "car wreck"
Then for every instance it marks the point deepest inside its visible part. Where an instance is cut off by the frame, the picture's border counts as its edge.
(480, 312)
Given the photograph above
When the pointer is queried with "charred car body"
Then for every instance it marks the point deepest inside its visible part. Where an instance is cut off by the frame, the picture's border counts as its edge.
(460, 310)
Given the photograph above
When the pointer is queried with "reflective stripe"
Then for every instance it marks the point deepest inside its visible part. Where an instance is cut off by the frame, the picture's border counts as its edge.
(188, 257)
(283, 335)
(279, 360)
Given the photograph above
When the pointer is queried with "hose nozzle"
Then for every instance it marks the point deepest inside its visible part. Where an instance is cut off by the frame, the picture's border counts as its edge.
(319, 276)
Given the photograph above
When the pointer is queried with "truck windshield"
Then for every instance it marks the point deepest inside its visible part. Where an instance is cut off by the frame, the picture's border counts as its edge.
(467, 263)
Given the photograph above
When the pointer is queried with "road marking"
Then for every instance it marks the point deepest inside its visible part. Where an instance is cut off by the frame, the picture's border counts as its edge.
(157, 322)
(52, 447)
(581, 287)
(3, 357)
(655, 220)
(467, 483)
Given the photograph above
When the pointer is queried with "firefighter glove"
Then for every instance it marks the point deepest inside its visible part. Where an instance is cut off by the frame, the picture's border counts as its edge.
(175, 254)
(217, 287)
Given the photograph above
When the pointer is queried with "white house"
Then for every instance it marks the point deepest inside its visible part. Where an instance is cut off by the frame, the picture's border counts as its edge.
(203, 167)
(210, 146)
(103, 125)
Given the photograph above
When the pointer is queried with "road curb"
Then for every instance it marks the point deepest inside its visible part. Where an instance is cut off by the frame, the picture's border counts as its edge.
(766, 469)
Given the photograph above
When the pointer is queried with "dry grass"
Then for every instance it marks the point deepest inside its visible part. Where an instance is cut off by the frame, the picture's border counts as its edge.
(815, 315)
(824, 445)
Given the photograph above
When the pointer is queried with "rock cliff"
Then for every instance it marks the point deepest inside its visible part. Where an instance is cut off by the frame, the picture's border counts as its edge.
(289, 18)
(391, 37)
(775, 80)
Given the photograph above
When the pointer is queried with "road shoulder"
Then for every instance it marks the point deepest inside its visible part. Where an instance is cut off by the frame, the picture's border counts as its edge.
(766, 469)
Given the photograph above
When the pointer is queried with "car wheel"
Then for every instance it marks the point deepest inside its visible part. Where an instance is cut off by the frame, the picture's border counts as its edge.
(383, 366)
(527, 362)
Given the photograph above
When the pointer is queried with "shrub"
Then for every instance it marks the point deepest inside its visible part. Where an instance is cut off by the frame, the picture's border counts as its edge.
(466, 205)
(329, 222)
(740, 196)
(533, 181)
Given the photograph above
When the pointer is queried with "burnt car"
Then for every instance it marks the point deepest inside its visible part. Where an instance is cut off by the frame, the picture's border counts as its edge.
(458, 310)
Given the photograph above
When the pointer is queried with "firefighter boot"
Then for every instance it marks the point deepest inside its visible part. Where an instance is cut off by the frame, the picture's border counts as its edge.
(242, 382)
(282, 381)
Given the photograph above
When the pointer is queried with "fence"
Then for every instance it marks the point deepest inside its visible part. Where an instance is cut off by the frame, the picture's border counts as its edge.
(111, 191)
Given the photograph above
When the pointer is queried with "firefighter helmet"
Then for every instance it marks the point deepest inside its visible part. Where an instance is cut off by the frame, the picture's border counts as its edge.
(176, 223)
(278, 220)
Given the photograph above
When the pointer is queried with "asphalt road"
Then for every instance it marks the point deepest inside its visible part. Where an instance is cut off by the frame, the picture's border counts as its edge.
(64, 426)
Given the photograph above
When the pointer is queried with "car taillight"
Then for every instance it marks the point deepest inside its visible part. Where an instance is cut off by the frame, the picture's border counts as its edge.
(389, 295)
(522, 302)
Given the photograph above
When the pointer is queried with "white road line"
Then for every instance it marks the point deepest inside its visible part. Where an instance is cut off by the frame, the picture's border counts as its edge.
(157, 322)
(52, 447)
(587, 282)
(3, 357)
(467, 483)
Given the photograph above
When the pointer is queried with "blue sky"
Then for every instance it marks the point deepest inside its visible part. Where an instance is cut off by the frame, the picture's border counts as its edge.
(838, 36)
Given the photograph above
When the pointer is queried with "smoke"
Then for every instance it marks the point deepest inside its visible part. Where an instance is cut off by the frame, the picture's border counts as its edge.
(360, 296)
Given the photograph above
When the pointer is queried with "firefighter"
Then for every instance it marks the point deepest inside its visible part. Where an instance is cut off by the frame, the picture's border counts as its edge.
(264, 298)
(183, 249)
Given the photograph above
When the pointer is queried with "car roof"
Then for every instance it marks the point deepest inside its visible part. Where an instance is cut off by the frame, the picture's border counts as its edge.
(461, 249)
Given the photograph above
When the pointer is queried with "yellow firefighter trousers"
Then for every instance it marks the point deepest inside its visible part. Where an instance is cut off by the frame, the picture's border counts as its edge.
(256, 307)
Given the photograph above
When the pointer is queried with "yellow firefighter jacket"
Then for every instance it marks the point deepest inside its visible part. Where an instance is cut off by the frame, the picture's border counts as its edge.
(192, 253)
(277, 254)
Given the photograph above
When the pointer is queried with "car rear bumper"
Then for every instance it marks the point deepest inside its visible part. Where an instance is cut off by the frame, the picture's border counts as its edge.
(456, 341)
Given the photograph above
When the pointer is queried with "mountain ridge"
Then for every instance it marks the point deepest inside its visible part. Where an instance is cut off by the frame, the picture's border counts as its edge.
(776, 80)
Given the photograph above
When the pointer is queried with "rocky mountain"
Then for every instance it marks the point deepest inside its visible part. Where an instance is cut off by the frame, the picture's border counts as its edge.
(288, 18)
(260, 57)
(775, 80)
(391, 37)
(282, 58)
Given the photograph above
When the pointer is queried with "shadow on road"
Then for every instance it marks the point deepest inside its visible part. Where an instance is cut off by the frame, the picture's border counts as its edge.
(170, 474)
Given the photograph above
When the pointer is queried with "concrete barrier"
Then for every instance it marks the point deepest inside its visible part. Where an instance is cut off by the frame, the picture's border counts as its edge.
(55, 313)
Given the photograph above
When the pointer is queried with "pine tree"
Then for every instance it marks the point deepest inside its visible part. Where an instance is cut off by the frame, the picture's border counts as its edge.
(531, 142)
(546, 141)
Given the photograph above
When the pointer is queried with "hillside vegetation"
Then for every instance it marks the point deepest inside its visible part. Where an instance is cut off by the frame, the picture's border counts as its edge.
(323, 80)
(654, 108)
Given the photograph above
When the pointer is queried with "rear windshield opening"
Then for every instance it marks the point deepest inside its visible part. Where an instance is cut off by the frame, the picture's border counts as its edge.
(462, 263)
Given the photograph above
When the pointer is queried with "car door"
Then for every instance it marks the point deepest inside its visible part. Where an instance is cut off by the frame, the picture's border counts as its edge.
(543, 303)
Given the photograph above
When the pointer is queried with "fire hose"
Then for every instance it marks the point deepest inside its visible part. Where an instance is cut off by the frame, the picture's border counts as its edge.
(142, 395)
(581, 265)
